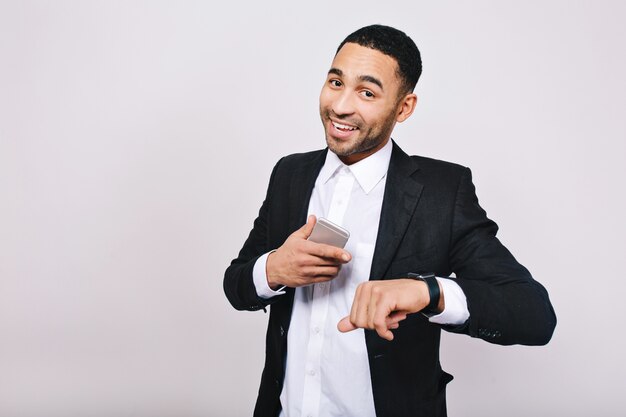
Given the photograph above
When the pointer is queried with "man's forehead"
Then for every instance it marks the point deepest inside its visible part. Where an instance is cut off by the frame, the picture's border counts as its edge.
(356, 61)
(362, 77)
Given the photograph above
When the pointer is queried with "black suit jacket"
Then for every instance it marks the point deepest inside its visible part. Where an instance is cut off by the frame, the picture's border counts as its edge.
(430, 222)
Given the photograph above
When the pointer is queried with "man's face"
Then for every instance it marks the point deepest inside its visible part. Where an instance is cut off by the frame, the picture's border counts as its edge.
(360, 102)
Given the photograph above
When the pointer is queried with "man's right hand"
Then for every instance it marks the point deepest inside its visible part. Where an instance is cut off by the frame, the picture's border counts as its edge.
(301, 262)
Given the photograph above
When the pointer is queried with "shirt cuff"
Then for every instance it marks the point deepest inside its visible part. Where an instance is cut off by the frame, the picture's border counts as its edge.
(259, 278)
(455, 311)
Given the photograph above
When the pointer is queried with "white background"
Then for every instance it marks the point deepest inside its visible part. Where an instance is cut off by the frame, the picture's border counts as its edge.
(136, 142)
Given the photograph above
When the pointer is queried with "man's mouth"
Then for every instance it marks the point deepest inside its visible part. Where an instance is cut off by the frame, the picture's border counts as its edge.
(342, 127)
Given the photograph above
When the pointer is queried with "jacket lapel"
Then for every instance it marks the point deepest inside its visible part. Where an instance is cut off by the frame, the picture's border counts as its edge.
(301, 188)
(402, 192)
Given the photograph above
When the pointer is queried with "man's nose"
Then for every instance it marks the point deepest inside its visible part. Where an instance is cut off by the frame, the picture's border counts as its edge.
(343, 104)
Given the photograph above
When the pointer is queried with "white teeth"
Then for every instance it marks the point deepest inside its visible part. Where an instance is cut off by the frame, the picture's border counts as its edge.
(343, 127)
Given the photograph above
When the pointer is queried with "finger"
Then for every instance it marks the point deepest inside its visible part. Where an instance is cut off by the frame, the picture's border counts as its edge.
(312, 260)
(319, 279)
(345, 325)
(355, 304)
(385, 334)
(373, 305)
(329, 252)
(307, 228)
(379, 310)
(383, 330)
(396, 317)
(340, 258)
(326, 271)
(393, 322)
(360, 314)
(315, 271)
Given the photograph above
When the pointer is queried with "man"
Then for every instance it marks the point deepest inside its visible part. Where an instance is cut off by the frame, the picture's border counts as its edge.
(351, 331)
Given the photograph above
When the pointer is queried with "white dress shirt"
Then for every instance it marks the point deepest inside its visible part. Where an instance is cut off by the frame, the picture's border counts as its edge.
(327, 372)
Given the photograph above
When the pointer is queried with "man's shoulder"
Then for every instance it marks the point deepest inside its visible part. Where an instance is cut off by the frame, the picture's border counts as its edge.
(303, 156)
(425, 162)
(298, 161)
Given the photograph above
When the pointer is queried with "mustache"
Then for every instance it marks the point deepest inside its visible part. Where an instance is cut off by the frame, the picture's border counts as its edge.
(343, 119)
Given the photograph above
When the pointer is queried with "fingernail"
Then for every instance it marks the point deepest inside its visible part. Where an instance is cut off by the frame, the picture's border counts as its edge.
(345, 257)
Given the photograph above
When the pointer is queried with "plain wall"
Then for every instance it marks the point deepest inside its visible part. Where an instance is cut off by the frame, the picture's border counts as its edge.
(137, 139)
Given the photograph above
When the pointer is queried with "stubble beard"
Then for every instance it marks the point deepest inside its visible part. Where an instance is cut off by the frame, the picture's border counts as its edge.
(371, 139)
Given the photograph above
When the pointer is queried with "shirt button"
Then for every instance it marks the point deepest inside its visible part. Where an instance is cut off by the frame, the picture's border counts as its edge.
(322, 285)
(316, 329)
(312, 372)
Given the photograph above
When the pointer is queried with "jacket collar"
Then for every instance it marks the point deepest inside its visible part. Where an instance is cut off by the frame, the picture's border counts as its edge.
(402, 192)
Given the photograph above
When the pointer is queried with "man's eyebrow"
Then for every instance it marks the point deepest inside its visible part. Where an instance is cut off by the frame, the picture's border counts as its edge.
(364, 78)
(370, 79)
(336, 71)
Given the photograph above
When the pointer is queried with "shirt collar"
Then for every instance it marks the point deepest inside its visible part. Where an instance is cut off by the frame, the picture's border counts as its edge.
(368, 172)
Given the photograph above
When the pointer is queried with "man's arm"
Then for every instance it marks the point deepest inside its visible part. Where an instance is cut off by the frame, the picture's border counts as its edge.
(295, 263)
(299, 262)
(382, 304)
(238, 278)
(506, 305)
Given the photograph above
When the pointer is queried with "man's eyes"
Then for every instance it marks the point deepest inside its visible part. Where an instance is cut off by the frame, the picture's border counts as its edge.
(338, 84)
(335, 83)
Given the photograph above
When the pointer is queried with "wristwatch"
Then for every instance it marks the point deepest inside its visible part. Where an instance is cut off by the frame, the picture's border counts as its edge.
(433, 291)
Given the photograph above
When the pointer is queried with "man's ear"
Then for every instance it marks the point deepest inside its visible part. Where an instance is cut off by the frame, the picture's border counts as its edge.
(406, 106)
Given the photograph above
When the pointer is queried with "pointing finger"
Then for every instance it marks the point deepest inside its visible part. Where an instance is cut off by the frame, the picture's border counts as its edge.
(345, 325)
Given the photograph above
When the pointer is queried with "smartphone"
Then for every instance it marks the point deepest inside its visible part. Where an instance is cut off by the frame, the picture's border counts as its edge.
(329, 233)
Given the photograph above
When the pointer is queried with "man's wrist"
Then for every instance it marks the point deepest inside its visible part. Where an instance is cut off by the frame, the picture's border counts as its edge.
(454, 312)
(259, 277)
(271, 282)
(435, 295)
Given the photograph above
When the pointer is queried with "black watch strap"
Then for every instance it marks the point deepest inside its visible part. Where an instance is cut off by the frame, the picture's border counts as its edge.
(433, 291)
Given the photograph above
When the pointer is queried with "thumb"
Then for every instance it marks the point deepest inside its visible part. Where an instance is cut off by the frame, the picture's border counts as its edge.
(345, 325)
(306, 230)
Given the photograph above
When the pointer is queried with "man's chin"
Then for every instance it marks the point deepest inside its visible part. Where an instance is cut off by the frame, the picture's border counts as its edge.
(348, 149)
(339, 150)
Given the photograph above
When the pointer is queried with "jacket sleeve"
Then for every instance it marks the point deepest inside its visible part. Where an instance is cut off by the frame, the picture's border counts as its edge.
(507, 306)
(238, 284)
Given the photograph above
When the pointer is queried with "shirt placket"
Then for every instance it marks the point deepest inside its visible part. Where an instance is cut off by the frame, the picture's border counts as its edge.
(319, 304)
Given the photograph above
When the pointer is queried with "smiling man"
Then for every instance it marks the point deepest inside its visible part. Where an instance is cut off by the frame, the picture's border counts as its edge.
(359, 122)
(355, 331)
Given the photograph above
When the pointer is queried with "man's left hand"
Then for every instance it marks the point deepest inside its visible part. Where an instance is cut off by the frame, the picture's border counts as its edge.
(382, 305)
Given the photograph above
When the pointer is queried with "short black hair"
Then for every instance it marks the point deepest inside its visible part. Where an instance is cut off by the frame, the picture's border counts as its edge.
(394, 43)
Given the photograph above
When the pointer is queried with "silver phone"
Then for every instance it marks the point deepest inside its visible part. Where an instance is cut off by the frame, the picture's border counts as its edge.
(329, 233)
